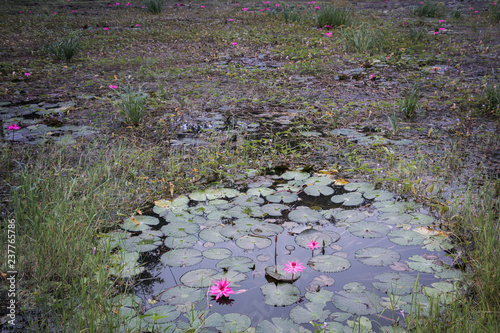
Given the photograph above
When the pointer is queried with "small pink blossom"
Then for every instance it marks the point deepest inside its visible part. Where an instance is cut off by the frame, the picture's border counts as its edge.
(421, 3)
(442, 29)
(245, 9)
(293, 267)
(441, 21)
(476, 11)
(230, 20)
(221, 288)
(234, 44)
(372, 76)
(277, 5)
(13, 127)
(316, 7)
(313, 244)
(327, 26)
(55, 13)
(27, 74)
(113, 86)
(106, 28)
(436, 32)
(269, 2)
(137, 25)
(262, 10)
(471, 8)
(128, 4)
(328, 34)
(73, 11)
(202, 6)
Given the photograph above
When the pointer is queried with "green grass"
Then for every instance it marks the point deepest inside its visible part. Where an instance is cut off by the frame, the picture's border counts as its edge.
(491, 96)
(65, 48)
(334, 17)
(154, 6)
(409, 104)
(362, 39)
(428, 9)
(416, 32)
(132, 105)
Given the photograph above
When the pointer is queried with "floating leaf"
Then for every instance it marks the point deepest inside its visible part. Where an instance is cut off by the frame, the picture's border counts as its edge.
(324, 239)
(139, 223)
(278, 325)
(260, 191)
(202, 209)
(281, 294)
(245, 224)
(360, 325)
(124, 264)
(395, 218)
(198, 278)
(421, 264)
(394, 283)
(112, 239)
(329, 263)
(340, 316)
(304, 214)
(349, 199)
(180, 229)
(355, 303)
(184, 217)
(377, 256)
(313, 312)
(350, 216)
(249, 242)
(231, 322)
(278, 273)
(318, 180)
(266, 229)
(405, 237)
(232, 276)
(393, 302)
(282, 196)
(273, 209)
(263, 257)
(180, 242)
(212, 235)
(369, 229)
(180, 295)
(321, 296)
(217, 253)
(354, 287)
(360, 187)
(248, 200)
(161, 314)
(450, 274)
(349, 132)
(317, 190)
(297, 175)
(395, 206)
(324, 280)
(239, 264)
(181, 257)
(147, 241)
(261, 183)
(378, 195)
(421, 219)
(219, 215)
(245, 211)
(416, 303)
(213, 193)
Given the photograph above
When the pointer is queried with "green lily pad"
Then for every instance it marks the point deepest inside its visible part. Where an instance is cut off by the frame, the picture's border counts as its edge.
(349, 199)
(239, 264)
(354, 287)
(180, 229)
(395, 206)
(181, 257)
(229, 323)
(377, 256)
(124, 264)
(421, 219)
(395, 218)
(405, 237)
(360, 325)
(394, 283)
(139, 223)
(360, 187)
(263, 182)
(161, 314)
(450, 274)
(273, 209)
(317, 190)
(180, 202)
(148, 240)
(213, 193)
(221, 204)
(355, 303)
(112, 239)
(297, 175)
(248, 200)
(278, 325)
(202, 209)
(378, 195)
(324, 239)
(184, 217)
(260, 191)
(232, 276)
(250, 242)
(245, 211)
(266, 229)
(416, 303)
(303, 214)
(421, 264)
(218, 215)
(329, 263)
(180, 242)
(232, 232)
(349, 216)
(312, 312)
(369, 229)
(278, 273)
(349, 132)
(245, 224)
(217, 253)
(212, 235)
(198, 278)
(322, 296)
(180, 295)
(282, 196)
(340, 316)
(393, 302)
(438, 243)
(281, 294)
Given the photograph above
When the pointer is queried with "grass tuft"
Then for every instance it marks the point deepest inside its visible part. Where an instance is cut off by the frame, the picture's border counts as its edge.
(415, 32)
(132, 105)
(154, 6)
(409, 104)
(427, 9)
(362, 39)
(334, 17)
(65, 48)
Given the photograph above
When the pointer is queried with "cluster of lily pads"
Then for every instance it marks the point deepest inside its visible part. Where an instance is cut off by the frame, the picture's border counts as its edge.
(223, 233)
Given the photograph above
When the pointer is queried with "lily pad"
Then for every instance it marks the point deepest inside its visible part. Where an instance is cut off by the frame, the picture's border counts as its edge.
(232, 276)
(355, 303)
(395, 218)
(217, 253)
(183, 217)
(273, 209)
(394, 283)
(349, 199)
(231, 322)
(350, 216)
(278, 325)
(354, 287)
(248, 200)
(405, 237)
(246, 211)
(282, 196)
(161, 314)
(112, 239)
(378, 195)
(139, 223)
(202, 209)
(322, 296)
(180, 229)
(181, 257)
(213, 193)
(318, 180)
(324, 239)
(245, 224)
(281, 294)
(313, 312)
(377, 256)
(340, 316)
(218, 215)
(238, 263)
(421, 264)
(260, 191)
(198, 278)
(369, 229)
(278, 273)
(266, 229)
(180, 295)
(147, 241)
(212, 235)
(317, 190)
(329, 263)
(124, 264)
(421, 219)
(297, 175)
(349, 132)
(303, 214)
(180, 242)
(360, 187)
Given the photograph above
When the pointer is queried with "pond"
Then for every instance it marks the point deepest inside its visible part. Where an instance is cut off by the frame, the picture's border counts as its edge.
(376, 260)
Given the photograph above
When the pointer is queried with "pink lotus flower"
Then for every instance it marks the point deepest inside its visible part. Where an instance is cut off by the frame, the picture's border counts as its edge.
(13, 127)
(27, 74)
(277, 5)
(293, 267)
(221, 288)
(313, 244)
(316, 7)
(113, 86)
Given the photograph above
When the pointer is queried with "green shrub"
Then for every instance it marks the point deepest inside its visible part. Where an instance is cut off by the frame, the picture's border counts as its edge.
(65, 48)
(132, 105)
(334, 17)
(154, 6)
(409, 104)
(362, 39)
(428, 9)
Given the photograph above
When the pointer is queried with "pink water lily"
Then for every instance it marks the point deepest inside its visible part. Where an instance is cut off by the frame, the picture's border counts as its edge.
(13, 127)
(293, 267)
(221, 288)
(313, 245)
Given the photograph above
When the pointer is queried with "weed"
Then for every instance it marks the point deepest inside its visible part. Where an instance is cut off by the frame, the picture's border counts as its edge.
(334, 17)
(428, 9)
(415, 32)
(291, 15)
(456, 14)
(362, 39)
(394, 123)
(65, 48)
(492, 98)
(154, 6)
(494, 11)
(132, 105)
(409, 104)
